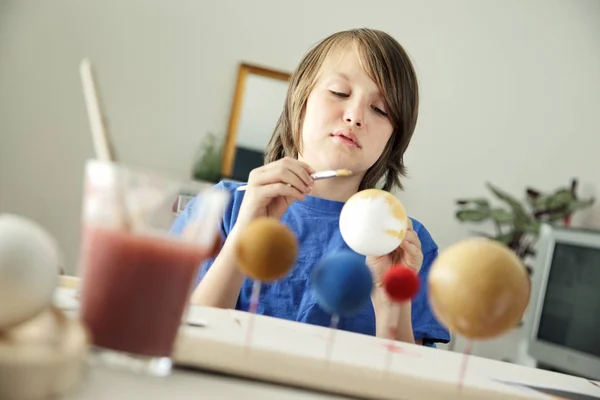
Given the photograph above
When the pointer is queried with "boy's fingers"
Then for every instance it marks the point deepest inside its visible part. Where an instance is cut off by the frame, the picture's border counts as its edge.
(280, 189)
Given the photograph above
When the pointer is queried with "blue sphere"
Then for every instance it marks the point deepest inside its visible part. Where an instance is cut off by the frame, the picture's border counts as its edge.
(342, 283)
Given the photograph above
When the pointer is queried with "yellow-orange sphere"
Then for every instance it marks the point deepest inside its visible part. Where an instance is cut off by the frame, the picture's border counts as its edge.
(478, 288)
(266, 250)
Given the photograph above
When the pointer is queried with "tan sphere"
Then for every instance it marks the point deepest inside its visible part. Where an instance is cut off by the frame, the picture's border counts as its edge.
(478, 288)
(266, 250)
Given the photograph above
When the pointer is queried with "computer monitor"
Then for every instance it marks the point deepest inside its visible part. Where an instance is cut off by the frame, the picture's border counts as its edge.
(564, 311)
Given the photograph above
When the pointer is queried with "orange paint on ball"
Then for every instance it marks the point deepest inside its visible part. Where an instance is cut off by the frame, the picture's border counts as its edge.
(266, 250)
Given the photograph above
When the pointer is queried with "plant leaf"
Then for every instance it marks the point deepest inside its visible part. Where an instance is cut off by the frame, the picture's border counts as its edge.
(502, 216)
(478, 202)
(560, 198)
(207, 165)
(472, 215)
(531, 226)
(515, 205)
(581, 204)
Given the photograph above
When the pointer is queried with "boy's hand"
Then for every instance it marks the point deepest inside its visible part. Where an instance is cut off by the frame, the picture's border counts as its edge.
(273, 187)
(408, 254)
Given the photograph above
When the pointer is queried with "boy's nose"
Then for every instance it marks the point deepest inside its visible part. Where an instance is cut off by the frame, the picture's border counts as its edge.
(354, 117)
(353, 122)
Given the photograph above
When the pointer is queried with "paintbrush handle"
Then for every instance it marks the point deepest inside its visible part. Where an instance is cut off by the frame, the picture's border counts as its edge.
(101, 139)
(324, 175)
(316, 176)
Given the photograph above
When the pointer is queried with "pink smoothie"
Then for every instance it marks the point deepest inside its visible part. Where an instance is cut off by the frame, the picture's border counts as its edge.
(135, 289)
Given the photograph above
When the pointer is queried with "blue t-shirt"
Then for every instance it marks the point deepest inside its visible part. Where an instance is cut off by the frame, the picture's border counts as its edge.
(315, 222)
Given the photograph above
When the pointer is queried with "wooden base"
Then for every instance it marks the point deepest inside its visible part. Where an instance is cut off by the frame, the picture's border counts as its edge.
(42, 358)
(295, 354)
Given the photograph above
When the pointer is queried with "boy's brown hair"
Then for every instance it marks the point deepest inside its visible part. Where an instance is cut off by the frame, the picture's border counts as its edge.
(389, 66)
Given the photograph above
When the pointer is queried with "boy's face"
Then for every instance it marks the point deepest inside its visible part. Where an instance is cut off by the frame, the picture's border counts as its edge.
(345, 122)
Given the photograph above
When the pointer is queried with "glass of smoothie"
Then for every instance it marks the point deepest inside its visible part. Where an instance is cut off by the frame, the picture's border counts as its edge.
(136, 276)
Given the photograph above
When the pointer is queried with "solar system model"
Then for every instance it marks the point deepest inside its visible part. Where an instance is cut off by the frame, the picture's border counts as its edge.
(477, 288)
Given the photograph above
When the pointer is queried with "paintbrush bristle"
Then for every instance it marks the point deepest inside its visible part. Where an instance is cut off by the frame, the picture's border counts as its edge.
(343, 172)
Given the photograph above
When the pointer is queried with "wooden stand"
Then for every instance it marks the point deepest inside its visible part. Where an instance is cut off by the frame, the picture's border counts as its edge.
(42, 358)
(293, 354)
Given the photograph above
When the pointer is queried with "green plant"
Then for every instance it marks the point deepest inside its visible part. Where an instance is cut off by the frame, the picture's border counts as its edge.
(518, 225)
(207, 164)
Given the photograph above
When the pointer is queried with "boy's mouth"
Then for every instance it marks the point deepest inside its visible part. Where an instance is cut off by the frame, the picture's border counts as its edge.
(347, 138)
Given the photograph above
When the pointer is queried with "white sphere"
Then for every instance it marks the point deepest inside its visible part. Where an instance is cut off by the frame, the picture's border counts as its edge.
(373, 222)
(29, 269)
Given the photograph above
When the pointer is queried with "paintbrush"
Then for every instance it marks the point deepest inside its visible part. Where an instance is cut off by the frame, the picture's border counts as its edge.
(103, 146)
(319, 175)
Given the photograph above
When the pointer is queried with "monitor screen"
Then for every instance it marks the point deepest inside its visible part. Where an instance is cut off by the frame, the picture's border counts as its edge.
(245, 161)
(570, 314)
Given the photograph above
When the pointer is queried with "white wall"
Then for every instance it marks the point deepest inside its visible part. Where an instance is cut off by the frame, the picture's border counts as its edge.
(261, 105)
(510, 89)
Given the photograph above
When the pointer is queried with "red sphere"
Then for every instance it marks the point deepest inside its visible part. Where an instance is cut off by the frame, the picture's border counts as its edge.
(401, 283)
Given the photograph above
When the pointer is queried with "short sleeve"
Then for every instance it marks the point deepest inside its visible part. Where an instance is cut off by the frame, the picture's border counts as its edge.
(425, 324)
(184, 218)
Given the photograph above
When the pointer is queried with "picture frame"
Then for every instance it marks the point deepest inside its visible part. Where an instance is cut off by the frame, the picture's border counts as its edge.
(258, 101)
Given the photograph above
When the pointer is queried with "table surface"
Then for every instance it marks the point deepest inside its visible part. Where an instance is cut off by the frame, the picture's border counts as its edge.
(101, 383)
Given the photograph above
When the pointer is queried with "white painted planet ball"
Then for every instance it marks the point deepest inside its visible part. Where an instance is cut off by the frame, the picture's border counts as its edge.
(373, 222)
(29, 269)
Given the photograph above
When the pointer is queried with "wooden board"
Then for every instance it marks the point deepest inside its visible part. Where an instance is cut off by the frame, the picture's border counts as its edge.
(291, 353)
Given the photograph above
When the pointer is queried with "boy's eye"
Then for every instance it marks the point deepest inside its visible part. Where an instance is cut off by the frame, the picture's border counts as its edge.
(380, 111)
(339, 94)
(345, 95)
